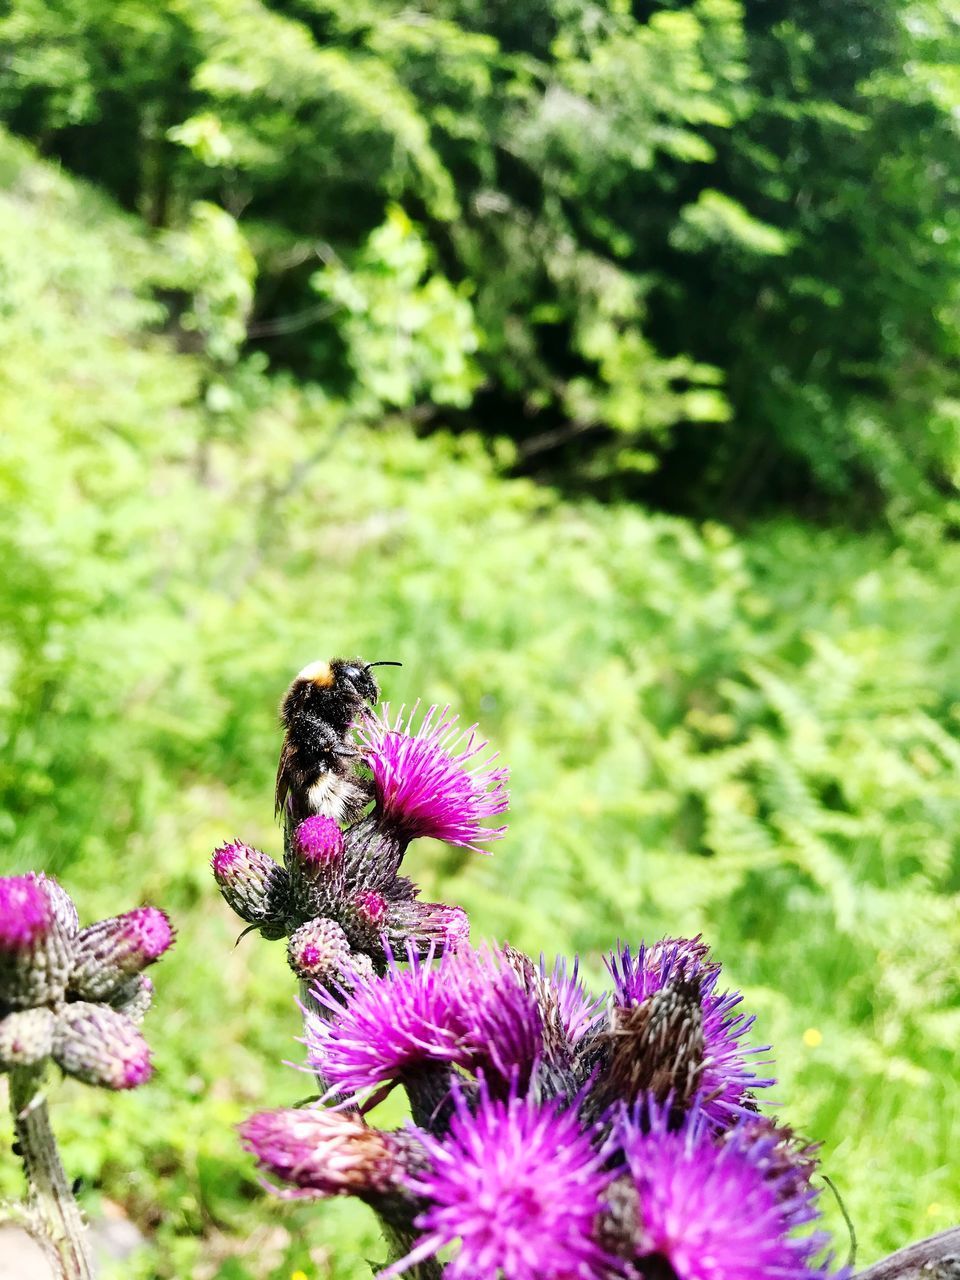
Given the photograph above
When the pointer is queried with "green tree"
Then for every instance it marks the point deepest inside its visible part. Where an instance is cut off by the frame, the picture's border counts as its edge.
(711, 238)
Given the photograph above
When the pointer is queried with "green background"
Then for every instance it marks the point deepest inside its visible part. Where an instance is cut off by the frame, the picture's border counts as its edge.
(597, 362)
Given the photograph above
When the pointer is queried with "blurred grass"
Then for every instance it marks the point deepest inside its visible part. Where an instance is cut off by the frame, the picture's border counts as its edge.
(755, 735)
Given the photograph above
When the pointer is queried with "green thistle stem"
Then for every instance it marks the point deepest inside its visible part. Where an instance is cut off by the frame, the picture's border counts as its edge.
(399, 1244)
(50, 1197)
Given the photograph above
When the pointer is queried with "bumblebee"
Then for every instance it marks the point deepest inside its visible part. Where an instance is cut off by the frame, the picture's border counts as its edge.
(316, 769)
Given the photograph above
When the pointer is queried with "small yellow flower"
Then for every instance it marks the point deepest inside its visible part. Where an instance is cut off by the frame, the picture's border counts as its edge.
(299, 1275)
(934, 1210)
(812, 1037)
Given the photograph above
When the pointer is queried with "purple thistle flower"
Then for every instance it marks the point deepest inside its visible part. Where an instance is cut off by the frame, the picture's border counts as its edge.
(577, 1012)
(470, 1011)
(430, 782)
(320, 1151)
(726, 1080)
(389, 1025)
(789, 1161)
(717, 1209)
(520, 1185)
(26, 912)
(499, 1018)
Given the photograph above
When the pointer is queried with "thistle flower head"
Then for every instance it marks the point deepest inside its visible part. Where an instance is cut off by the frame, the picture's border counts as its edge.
(318, 842)
(716, 1209)
(434, 780)
(471, 1011)
(100, 1046)
(567, 1000)
(319, 1151)
(256, 887)
(36, 940)
(725, 1078)
(519, 1184)
(497, 1017)
(319, 951)
(112, 950)
(389, 1024)
(26, 912)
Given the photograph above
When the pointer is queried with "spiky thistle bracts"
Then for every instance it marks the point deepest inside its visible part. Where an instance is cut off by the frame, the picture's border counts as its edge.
(75, 996)
(675, 980)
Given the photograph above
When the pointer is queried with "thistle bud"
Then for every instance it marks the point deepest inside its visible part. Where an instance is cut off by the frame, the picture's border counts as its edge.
(319, 951)
(317, 843)
(329, 1153)
(26, 1038)
(256, 887)
(316, 866)
(35, 952)
(113, 950)
(100, 1046)
(431, 926)
(364, 919)
(64, 908)
(133, 997)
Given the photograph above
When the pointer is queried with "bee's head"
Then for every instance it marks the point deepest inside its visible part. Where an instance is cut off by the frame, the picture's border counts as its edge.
(354, 674)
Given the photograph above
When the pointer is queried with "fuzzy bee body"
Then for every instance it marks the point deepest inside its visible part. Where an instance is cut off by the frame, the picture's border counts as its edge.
(316, 773)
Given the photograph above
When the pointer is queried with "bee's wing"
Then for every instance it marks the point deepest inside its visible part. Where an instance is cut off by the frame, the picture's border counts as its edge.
(283, 777)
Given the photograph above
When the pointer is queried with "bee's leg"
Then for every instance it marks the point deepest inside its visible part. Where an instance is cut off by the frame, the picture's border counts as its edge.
(327, 741)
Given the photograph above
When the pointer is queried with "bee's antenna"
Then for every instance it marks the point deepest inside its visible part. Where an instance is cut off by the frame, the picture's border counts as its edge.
(382, 664)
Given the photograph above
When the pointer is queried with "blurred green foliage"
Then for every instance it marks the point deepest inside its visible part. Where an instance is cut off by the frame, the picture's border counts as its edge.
(755, 735)
(700, 250)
